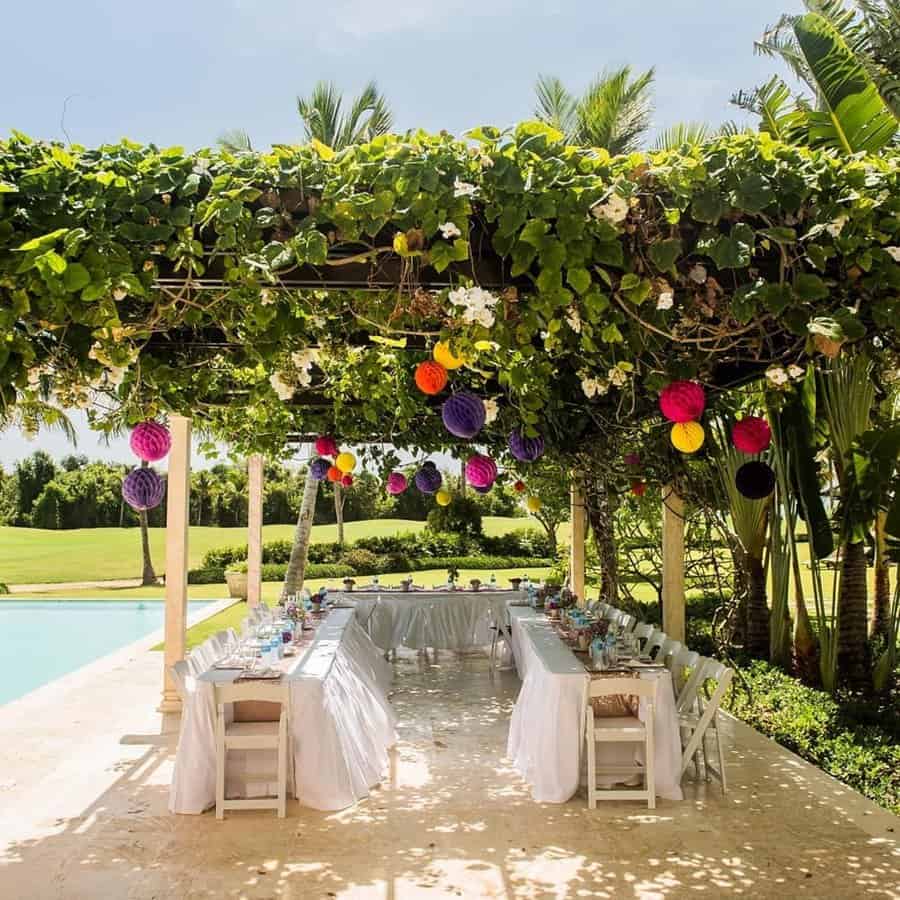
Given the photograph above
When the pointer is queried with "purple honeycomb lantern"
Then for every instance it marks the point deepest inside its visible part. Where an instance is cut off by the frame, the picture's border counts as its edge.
(428, 479)
(525, 449)
(142, 489)
(319, 467)
(150, 441)
(482, 490)
(463, 415)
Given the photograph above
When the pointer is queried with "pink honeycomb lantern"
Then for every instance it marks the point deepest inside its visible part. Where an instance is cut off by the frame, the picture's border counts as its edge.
(150, 441)
(682, 401)
(396, 483)
(481, 471)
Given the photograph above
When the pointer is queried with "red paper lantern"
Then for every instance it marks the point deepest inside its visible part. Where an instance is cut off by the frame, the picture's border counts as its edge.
(751, 435)
(326, 445)
(431, 377)
(347, 480)
(335, 474)
(519, 487)
(682, 401)
(638, 488)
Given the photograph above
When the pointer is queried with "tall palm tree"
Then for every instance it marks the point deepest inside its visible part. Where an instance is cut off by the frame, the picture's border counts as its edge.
(614, 112)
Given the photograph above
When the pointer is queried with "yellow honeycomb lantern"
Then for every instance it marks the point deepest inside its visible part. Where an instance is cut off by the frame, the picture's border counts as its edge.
(687, 436)
(346, 462)
(533, 504)
(442, 498)
(444, 355)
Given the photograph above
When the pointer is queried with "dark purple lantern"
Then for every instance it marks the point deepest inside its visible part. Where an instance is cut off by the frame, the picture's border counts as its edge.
(150, 441)
(483, 490)
(755, 480)
(525, 449)
(428, 478)
(142, 489)
(463, 415)
(319, 467)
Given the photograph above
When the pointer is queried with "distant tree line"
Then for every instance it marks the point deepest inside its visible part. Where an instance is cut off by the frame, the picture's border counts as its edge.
(79, 493)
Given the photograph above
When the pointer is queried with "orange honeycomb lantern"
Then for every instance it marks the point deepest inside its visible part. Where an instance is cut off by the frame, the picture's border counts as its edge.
(431, 377)
(334, 473)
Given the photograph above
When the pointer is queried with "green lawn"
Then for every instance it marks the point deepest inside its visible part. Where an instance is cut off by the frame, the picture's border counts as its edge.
(32, 555)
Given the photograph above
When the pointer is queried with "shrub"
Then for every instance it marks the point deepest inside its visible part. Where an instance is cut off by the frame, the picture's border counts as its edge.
(220, 557)
(323, 553)
(361, 561)
(461, 515)
(207, 575)
(522, 542)
(480, 562)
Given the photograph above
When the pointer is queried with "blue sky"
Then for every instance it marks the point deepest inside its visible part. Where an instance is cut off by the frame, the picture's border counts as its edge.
(182, 72)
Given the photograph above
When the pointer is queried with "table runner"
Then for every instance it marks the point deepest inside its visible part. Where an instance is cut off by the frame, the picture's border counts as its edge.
(342, 726)
(546, 735)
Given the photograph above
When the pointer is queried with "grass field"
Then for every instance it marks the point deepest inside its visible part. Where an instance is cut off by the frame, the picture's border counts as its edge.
(34, 555)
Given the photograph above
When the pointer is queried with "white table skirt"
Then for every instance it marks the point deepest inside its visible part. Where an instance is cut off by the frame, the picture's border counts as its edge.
(342, 726)
(444, 620)
(546, 734)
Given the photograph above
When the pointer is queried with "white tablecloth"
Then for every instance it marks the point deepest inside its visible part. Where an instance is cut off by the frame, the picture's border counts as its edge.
(546, 735)
(342, 726)
(444, 620)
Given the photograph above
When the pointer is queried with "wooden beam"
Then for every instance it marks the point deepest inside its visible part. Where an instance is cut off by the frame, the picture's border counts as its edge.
(576, 547)
(177, 503)
(673, 563)
(254, 529)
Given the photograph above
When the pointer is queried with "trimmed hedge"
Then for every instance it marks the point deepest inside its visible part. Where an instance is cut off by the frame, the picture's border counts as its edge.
(272, 572)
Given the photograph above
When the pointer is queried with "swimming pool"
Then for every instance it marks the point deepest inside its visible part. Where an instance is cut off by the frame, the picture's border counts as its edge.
(42, 640)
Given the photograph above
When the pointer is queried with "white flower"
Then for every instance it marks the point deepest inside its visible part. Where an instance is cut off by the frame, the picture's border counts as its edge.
(777, 376)
(266, 297)
(795, 372)
(463, 188)
(486, 161)
(616, 376)
(835, 227)
(449, 230)
(593, 387)
(490, 411)
(573, 318)
(281, 387)
(477, 304)
(698, 273)
(665, 300)
(119, 293)
(614, 210)
(894, 253)
(34, 376)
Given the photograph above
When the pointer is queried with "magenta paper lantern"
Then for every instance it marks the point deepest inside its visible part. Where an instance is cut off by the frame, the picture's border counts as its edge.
(525, 449)
(326, 445)
(397, 483)
(682, 401)
(428, 478)
(751, 435)
(482, 490)
(142, 489)
(481, 471)
(150, 441)
(318, 468)
(463, 415)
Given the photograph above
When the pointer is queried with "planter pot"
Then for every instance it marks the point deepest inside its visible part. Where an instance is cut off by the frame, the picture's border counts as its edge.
(515, 582)
(348, 584)
(237, 585)
(406, 584)
(475, 584)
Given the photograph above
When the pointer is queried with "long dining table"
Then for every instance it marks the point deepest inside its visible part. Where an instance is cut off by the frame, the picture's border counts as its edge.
(341, 723)
(546, 734)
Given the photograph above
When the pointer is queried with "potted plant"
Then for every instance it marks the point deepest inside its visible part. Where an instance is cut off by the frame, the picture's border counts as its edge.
(348, 584)
(515, 582)
(236, 578)
(475, 584)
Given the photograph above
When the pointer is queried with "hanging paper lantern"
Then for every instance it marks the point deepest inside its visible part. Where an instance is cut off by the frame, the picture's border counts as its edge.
(638, 488)
(519, 486)
(483, 490)
(444, 355)
(150, 441)
(347, 480)
(428, 478)
(524, 448)
(631, 459)
(326, 446)
(481, 471)
(682, 401)
(751, 435)
(334, 474)
(755, 480)
(346, 462)
(142, 489)
(534, 504)
(318, 468)
(463, 415)
(431, 377)
(396, 483)
(687, 436)
(443, 498)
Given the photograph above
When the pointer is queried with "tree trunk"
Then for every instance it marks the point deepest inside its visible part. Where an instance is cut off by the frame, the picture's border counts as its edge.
(881, 615)
(853, 662)
(806, 648)
(148, 576)
(296, 568)
(757, 612)
(339, 512)
(600, 510)
(550, 528)
(462, 478)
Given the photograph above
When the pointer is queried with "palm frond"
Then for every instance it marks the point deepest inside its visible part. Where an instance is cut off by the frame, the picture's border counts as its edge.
(235, 140)
(615, 111)
(781, 115)
(369, 115)
(682, 134)
(321, 112)
(555, 105)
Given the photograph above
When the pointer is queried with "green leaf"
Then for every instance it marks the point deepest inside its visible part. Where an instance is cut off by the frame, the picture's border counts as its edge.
(809, 287)
(310, 246)
(611, 334)
(579, 279)
(76, 277)
(629, 281)
(754, 193)
(44, 240)
(609, 253)
(533, 232)
(708, 205)
(663, 254)
(780, 234)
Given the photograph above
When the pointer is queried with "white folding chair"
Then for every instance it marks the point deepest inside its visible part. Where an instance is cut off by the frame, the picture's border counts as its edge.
(501, 633)
(654, 643)
(180, 673)
(642, 631)
(687, 697)
(611, 612)
(203, 656)
(621, 729)
(694, 726)
(252, 736)
(667, 652)
(682, 667)
(627, 621)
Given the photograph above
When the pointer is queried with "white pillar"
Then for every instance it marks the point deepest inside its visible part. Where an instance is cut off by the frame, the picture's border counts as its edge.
(254, 529)
(576, 545)
(673, 563)
(178, 496)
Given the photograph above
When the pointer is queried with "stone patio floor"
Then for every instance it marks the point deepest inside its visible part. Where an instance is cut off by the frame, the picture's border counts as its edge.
(85, 765)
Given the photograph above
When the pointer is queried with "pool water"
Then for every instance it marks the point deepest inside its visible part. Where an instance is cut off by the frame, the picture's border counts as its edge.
(43, 640)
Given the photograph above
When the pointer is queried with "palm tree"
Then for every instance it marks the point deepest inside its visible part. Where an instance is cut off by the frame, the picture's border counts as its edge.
(614, 112)
(848, 61)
